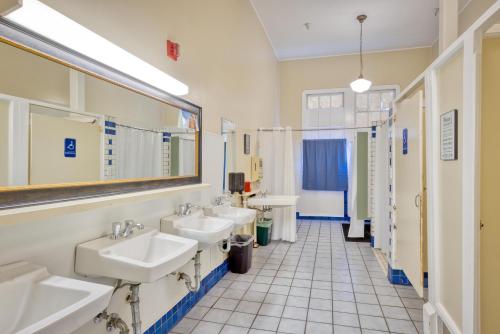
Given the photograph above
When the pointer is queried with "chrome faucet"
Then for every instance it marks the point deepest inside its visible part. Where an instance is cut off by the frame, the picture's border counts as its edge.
(130, 225)
(117, 232)
(223, 199)
(186, 209)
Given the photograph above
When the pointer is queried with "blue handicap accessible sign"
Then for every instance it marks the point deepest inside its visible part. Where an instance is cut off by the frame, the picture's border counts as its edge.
(69, 148)
(405, 141)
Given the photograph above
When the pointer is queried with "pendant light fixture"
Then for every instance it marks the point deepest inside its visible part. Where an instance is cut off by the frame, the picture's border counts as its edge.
(361, 85)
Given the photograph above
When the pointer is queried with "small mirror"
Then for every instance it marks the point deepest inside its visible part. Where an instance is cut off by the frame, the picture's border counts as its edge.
(62, 127)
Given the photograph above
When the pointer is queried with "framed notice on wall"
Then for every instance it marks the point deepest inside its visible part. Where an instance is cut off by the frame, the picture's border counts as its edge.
(449, 138)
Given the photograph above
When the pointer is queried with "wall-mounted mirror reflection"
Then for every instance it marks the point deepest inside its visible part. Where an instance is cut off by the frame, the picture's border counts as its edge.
(58, 125)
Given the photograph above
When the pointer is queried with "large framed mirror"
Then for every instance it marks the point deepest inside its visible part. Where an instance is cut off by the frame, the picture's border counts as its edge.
(72, 128)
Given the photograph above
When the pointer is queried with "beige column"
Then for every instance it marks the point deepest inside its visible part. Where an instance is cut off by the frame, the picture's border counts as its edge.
(448, 23)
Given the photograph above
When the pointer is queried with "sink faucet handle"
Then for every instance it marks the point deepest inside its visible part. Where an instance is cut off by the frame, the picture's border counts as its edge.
(130, 224)
(116, 229)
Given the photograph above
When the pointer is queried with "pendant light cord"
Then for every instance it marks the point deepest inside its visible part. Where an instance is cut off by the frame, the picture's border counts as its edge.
(361, 50)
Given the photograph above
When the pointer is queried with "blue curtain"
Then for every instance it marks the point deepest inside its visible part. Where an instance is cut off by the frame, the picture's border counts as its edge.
(325, 165)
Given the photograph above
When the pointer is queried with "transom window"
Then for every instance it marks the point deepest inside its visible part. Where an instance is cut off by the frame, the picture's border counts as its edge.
(373, 106)
(324, 110)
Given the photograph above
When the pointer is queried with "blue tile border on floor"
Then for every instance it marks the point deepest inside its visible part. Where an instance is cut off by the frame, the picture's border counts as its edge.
(168, 321)
(397, 276)
(298, 216)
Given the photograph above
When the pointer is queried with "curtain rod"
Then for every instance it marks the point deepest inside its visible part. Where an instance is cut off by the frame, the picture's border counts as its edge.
(154, 131)
(318, 129)
(137, 128)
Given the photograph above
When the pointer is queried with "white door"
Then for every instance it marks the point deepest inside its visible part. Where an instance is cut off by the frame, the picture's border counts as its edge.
(408, 188)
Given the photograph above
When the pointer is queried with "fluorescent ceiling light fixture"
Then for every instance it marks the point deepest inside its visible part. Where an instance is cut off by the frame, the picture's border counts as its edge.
(53, 25)
(361, 85)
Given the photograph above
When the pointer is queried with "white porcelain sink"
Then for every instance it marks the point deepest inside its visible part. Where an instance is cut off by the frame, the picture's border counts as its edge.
(145, 256)
(273, 201)
(239, 216)
(207, 230)
(33, 301)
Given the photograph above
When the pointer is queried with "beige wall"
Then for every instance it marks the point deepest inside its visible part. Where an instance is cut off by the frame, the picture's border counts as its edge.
(4, 142)
(385, 68)
(490, 183)
(129, 108)
(26, 75)
(472, 12)
(450, 92)
(225, 57)
(435, 50)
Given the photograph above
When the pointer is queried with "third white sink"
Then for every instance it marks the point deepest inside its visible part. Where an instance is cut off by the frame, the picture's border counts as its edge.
(240, 216)
(273, 201)
(207, 230)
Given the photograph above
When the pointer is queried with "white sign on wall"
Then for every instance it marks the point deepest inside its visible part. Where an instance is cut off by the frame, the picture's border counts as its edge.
(449, 127)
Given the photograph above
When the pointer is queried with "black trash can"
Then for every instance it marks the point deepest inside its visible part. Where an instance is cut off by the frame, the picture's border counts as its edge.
(240, 255)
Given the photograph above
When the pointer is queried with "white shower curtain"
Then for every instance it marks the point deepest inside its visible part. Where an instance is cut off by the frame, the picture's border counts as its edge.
(139, 153)
(276, 150)
(381, 191)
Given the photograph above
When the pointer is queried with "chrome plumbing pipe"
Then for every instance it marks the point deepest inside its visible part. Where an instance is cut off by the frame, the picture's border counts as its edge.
(227, 247)
(133, 299)
(113, 321)
(197, 275)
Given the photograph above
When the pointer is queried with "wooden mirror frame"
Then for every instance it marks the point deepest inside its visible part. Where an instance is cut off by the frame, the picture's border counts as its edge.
(22, 196)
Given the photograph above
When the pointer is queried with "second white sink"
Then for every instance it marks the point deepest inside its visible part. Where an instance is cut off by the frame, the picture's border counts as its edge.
(145, 256)
(207, 230)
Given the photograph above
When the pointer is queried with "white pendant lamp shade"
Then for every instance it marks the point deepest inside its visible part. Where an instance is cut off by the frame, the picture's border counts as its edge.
(361, 85)
(42, 19)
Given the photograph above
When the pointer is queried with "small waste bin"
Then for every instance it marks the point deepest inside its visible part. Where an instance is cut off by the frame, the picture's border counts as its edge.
(264, 231)
(240, 255)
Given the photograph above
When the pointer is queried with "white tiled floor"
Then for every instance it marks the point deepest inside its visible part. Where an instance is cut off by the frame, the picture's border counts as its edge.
(318, 285)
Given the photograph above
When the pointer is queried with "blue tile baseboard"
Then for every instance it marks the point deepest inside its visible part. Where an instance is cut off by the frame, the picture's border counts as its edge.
(372, 241)
(297, 214)
(174, 315)
(397, 276)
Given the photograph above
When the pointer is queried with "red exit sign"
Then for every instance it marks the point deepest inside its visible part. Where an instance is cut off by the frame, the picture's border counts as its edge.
(172, 50)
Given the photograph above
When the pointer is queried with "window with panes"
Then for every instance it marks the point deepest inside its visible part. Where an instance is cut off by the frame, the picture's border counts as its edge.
(373, 106)
(324, 110)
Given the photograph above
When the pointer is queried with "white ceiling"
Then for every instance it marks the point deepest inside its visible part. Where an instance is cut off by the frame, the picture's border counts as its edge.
(391, 24)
